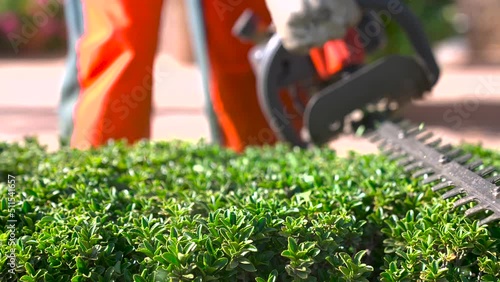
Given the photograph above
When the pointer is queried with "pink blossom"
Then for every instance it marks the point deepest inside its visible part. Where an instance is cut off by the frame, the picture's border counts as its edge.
(9, 22)
(51, 28)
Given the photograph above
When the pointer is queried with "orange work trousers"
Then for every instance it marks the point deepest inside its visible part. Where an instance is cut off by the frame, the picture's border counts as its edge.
(115, 61)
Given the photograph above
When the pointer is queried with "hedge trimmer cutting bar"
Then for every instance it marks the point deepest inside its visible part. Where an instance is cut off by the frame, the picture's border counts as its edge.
(443, 165)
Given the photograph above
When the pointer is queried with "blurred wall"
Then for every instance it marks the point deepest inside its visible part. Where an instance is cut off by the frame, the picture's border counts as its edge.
(483, 30)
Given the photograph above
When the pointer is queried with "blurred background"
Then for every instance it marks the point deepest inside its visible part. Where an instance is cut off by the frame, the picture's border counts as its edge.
(465, 105)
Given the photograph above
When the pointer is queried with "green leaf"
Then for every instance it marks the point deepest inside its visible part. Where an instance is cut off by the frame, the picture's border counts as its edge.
(170, 258)
(29, 268)
(220, 263)
(246, 232)
(386, 277)
(190, 248)
(209, 246)
(292, 245)
(47, 219)
(248, 267)
(81, 265)
(358, 256)
(26, 278)
(232, 264)
(273, 276)
(26, 207)
(232, 218)
(138, 278)
(288, 254)
(78, 278)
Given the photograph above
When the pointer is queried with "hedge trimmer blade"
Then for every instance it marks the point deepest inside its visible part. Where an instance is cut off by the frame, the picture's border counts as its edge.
(442, 165)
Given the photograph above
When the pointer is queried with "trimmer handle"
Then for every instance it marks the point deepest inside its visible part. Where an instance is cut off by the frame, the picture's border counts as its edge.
(409, 22)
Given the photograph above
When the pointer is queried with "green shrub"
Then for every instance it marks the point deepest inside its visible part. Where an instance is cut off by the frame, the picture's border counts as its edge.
(194, 212)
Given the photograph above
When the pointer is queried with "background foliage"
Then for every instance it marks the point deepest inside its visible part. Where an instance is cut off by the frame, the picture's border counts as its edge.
(436, 19)
(36, 26)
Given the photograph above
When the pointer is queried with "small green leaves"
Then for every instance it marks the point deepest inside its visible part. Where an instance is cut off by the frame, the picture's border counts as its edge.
(301, 256)
(353, 269)
(271, 278)
(182, 212)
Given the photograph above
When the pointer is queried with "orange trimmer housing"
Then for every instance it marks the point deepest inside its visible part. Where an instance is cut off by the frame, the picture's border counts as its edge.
(336, 55)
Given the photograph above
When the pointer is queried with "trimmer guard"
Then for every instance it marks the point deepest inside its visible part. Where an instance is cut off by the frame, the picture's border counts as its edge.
(275, 69)
(398, 78)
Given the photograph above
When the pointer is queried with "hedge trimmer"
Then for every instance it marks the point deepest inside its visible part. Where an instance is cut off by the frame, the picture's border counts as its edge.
(333, 94)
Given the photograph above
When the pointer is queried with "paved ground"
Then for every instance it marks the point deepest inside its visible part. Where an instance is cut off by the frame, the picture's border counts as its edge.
(465, 105)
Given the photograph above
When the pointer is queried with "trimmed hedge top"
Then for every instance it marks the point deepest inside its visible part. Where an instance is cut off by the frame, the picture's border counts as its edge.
(194, 212)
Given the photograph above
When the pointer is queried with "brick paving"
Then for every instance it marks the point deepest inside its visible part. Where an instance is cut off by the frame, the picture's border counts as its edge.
(464, 106)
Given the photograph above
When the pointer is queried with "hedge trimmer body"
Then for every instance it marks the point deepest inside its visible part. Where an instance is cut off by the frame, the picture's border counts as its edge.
(334, 93)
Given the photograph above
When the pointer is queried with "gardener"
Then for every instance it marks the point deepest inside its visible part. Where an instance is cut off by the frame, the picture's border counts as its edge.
(117, 50)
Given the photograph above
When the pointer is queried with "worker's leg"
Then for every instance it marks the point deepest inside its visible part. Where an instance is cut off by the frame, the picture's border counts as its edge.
(70, 87)
(232, 80)
(115, 71)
